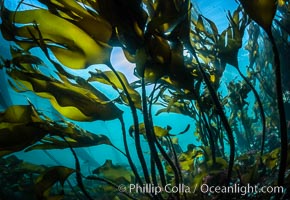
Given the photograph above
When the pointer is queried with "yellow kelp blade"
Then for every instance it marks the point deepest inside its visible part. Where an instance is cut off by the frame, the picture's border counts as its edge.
(94, 25)
(116, 173)
(187, 159)
(261, 11)
(16, 128)
(159, 131)
(110, 78)
(19, 114)
(71, 100)
(47, 179)
(199, 26)
(65, 39)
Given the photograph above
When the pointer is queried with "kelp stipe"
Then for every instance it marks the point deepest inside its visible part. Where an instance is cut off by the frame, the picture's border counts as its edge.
(240, 29)
(220, 112)
(261, 108)
(153, 142)
(263, 13)
(78, 172)
(185, 39)
(282, 115)
(136, 126)
(154, 159)
(173, 164)
(132, 165)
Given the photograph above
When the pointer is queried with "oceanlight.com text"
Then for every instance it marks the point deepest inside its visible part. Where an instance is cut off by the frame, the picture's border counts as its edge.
(241, 189)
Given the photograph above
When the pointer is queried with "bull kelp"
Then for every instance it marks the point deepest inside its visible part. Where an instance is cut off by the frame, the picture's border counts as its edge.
(193, 109)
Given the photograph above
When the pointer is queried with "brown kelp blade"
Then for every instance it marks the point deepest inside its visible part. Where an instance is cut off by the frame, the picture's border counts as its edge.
(49, 178)
(74, 136)
(16, 137)
(261, 11)
(58, 143)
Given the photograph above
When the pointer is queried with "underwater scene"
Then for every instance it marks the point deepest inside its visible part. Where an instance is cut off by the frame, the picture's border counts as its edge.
(144, 99)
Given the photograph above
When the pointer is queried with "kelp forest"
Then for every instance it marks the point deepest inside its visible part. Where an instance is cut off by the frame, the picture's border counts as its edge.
(180, 59)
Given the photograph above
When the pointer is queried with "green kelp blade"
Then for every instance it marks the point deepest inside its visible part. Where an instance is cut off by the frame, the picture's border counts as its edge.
(49, 178)
(117, 173)
(65, 39)
(261, 11)
(110, 78)
(71, 100)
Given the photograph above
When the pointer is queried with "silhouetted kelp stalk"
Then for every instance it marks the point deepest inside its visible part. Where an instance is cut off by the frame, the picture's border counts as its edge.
(209, 131)
(132, 165)
(174, 165)
(219, 109)
(136, 126)
(261, 108)
(281, 109)
(184, 37)
(152, 140)
(263, 14)
(153, 159)
(236, 66)
(150, 135)
(78, 172)
(240, 30)
(137, 143)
